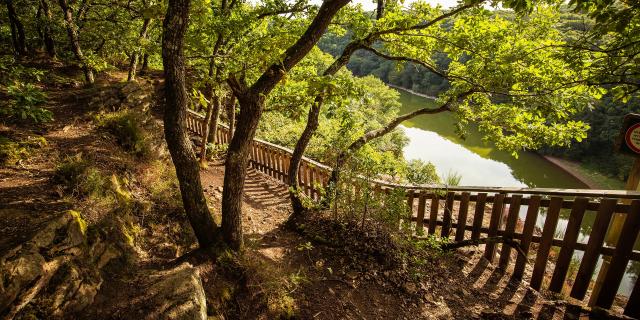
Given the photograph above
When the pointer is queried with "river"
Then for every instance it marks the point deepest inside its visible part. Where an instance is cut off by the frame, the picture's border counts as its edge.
(433, 138)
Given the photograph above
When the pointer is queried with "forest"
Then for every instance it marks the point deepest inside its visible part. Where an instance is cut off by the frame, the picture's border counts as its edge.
(229, 159)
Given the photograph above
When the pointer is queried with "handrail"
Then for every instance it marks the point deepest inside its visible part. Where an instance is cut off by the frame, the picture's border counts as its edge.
(473, 211)
(597, 193)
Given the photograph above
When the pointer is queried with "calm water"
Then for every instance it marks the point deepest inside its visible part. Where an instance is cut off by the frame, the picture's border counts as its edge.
(433, 138)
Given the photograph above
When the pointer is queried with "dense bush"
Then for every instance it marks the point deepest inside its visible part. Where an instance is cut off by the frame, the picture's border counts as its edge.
(127, 128)
(24, 98)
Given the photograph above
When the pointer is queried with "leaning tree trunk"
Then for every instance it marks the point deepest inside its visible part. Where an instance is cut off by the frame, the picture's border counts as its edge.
(184, 159)
(345, 155)
(74, 39)
(251, 101)
(17, 30)
(47, 37)
(133, 63)
(312, 126)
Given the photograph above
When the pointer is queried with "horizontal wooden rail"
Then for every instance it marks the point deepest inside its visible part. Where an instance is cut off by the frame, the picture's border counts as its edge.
(462, 213)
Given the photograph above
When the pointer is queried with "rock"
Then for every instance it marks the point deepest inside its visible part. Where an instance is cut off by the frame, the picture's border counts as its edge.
(57, 270)
(177, 294)
(410, 287)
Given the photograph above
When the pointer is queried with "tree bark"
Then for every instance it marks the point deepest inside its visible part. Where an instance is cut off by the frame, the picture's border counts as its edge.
(47, 38)
(214, 101)
(133, 63)
(213, 126)
(145, 63)
(251, 101)
(231, 117)
(380, 10)
(74, 39)
(344, 156)
(17, 30)
(312, 126)
(184, 159)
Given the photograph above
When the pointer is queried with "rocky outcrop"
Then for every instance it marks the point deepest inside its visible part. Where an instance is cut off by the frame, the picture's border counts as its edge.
(133, 95)
(56, 273)
(176, 294)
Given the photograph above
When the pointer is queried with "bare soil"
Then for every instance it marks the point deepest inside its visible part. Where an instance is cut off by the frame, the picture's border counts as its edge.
(330, 271)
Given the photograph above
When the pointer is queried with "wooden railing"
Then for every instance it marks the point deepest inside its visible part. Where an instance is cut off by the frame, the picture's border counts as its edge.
(471, 213)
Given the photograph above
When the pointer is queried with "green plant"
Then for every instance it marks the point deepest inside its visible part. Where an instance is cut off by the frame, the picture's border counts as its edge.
(23, 104)
(216, 150)
(126, 127)
(71, 171)
(14, 152)
(452, 178)
(78, 177)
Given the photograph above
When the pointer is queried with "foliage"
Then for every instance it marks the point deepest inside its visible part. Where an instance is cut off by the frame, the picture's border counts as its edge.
(24, 97)
(452, 178)
(126, 127)
(420, 172)
(78, 177)
(14, 152)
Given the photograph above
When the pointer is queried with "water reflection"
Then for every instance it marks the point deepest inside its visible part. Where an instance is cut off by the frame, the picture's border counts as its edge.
(432, 138)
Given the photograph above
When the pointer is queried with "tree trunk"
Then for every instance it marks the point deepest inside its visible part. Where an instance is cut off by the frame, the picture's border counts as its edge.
(312, 126)
(145, 63)
(231, 117)
(184, 159)
(72, 32)
(49, 43)
(17, 30)
(236, 169)
(213, 126)
(133, 63)
(380, 10)
(251, 106)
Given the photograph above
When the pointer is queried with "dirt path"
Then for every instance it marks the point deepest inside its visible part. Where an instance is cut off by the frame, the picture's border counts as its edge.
(294, 276)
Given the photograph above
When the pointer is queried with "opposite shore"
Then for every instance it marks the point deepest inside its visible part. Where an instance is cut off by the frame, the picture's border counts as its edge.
(589, 178)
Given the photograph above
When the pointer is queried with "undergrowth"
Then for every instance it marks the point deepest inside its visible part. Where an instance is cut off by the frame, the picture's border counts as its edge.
(127, 128)
(15, 152)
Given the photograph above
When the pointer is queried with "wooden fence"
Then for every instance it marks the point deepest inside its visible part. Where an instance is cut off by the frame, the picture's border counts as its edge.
(471, 213)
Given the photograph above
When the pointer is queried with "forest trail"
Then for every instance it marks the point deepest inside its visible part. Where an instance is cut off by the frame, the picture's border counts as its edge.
(292, 273)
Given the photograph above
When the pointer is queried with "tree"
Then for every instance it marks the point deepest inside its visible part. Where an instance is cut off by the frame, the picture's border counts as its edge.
(509, 77)
(251, 99)
(74, 39)
(184, 159)
(17, 30)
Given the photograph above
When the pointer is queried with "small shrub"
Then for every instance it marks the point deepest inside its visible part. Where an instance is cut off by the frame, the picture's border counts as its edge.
(78, 177)
(71, 171)
(12, 152)
(452, 178)
(420, 172)
(216, 151)
(23, 104)
(126, 127)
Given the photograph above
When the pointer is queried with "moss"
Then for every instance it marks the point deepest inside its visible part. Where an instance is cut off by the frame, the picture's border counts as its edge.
(81, 222)
(13, 152)
(127, 128)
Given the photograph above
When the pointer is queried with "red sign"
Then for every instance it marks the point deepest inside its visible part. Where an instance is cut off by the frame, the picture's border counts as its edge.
(632, 137)
(629, 139)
